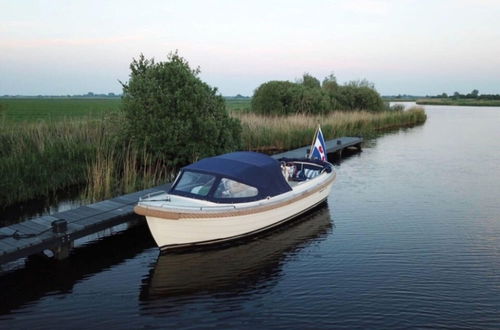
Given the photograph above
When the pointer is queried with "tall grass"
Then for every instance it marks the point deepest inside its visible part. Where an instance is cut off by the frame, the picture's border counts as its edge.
(268, 134)
(124, 169)
(37, 159)
(41, 158)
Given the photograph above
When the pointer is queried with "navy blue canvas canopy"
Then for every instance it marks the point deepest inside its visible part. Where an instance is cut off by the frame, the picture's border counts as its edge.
(251, 168)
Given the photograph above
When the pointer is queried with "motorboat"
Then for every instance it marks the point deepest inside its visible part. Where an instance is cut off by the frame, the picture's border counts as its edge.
(230, 196)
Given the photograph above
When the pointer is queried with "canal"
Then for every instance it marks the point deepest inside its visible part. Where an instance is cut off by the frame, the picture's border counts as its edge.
(409, 238)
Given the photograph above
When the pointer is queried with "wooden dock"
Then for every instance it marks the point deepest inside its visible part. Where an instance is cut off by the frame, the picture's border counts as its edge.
(334, 148)
(58, 231)
(49, 233)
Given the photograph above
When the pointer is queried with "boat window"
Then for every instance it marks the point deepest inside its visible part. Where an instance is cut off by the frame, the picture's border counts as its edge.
(195, 183)
(233, 189)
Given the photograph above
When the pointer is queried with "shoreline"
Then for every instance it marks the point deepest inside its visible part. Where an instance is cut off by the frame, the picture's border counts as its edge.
(459, 102)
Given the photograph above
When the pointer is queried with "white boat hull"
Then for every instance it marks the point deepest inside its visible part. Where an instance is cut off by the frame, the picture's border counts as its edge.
(198, 228)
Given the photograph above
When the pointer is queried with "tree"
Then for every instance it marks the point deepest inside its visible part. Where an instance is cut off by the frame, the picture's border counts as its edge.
(308, 96)
(173, 114)
(331, 90)
(276, 97)
(360, 95)
(309, 81)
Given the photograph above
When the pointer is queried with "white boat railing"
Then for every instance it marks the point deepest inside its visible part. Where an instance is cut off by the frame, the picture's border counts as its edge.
(153, 194)
(209, 208)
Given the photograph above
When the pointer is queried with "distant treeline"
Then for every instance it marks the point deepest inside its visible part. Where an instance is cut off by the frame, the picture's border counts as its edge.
(400, 97)
(310, 96)
(88, 95)
(474, 94)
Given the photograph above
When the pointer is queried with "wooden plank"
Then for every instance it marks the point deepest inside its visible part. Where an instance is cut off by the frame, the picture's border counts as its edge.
(99, 218)
(6, 248)
(70, 216)
(30, 241)
(14, 243)
(7, 231)
(129, 209)
(35, 227)
(24, 228)
(85, 211)
(44, 221)
(126, 200)
(105, 205)
(297, 153)
(35, 224)
(74, 227)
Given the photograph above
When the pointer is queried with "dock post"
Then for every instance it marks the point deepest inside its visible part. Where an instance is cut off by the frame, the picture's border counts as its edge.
(338, 154)
(63, 250)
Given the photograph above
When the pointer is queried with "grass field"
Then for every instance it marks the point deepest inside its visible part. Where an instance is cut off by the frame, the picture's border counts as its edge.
(53, 109)
(238, 104)
(48, 109)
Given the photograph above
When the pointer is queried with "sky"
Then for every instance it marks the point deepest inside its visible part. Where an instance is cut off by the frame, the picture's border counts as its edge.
(417, 47)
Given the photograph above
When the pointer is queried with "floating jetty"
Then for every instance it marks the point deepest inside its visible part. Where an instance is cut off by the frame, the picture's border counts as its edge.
(57, 232)
(334, 148)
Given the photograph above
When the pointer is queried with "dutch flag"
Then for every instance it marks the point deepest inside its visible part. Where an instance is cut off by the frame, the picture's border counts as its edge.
(318, 148)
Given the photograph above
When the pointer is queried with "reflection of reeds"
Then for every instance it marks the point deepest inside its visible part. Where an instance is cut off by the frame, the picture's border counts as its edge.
(275, 133)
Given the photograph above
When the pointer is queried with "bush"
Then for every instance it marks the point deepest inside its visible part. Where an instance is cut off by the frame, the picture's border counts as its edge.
(276, 98)
(308, 96)
(360, 98)
(173, 114)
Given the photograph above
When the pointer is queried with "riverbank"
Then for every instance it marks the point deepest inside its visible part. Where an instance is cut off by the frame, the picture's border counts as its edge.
(459, 102)
(44, 157)
(276, 133)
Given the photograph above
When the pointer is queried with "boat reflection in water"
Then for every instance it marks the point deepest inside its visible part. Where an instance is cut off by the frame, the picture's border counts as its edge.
(249, 266)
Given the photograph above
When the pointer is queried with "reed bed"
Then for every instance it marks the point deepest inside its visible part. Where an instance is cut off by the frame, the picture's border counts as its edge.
(37, 159)
(277, 133)
(41, 158)
(120, 170)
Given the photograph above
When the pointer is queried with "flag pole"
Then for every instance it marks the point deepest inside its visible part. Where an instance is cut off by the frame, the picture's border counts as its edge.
(313, 142)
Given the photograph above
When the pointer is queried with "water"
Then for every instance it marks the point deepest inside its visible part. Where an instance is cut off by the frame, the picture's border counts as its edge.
(410, 238)
(61, 202)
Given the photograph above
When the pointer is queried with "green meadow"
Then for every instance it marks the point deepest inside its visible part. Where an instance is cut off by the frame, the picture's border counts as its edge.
(49, 109)
(54, 109)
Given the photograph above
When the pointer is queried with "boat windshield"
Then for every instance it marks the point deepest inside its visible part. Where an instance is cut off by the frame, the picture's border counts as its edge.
(228, 188)
(195, 183)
